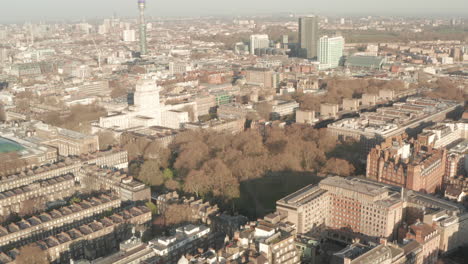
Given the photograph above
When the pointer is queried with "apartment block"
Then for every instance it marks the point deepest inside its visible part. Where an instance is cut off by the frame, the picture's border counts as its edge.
(205, 104)
(329, 110)
(200, 210)
(186, 240)
(92, 177)
(276, 244)
(338, 203)
(261, 77)
(369, 99)
(305, 207)
(386, 95)
(43, 224)
(281, 108)
(305, 117)
(350, 209)
(99, 88)
(428, 237)
(51, 190)
(372, 128)
(88, 241)
(407, 163)
(350, 104)
(67, 142)
(70, 165)
(444, 134)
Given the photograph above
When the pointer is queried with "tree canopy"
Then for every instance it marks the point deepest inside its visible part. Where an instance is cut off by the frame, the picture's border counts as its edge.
(214, 163)
(31, 254)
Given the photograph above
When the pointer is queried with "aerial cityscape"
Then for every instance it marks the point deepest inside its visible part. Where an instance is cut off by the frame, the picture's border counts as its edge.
(216, 132)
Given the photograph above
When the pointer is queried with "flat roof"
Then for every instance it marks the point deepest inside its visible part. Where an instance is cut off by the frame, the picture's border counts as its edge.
(8, 146)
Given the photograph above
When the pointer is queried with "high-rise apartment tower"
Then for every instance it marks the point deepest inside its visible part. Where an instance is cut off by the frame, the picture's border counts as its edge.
(258, 42)
(330, 51)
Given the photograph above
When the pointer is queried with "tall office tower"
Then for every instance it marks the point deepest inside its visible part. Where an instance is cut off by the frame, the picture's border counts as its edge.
(330, 51)
(308, 36)
(141, 6)
(258, 42)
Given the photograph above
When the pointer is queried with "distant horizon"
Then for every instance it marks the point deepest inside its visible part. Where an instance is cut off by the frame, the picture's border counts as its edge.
(56, 10)
(231, 16)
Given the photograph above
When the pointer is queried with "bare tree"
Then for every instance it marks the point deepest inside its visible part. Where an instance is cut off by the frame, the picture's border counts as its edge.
(155, 151)
(150, 173)
(338, 167)
(172, 184)
(197, 182)
(32, 206)
(106, 140)
(176, 214)
(32, 254)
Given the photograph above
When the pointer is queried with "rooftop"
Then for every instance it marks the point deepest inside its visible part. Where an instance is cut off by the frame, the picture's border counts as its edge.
(388, 120)
(7, 146)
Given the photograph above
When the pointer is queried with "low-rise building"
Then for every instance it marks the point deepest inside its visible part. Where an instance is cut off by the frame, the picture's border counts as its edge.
(234, 111)
(369, 62)
(233, 126)
(350, 104)
(386, 95)
(329, 110)
(305, 117)
(42, 225)
(372, 128)
(92, 240)
(95, 178)
(50, 189)
(186, 240)
(282, 108)
(369, 99)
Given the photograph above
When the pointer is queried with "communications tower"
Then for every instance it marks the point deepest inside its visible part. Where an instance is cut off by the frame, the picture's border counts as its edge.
(141, 7)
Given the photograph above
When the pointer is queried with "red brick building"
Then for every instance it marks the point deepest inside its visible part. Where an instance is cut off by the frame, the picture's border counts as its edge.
(402, 162)
(428, 237)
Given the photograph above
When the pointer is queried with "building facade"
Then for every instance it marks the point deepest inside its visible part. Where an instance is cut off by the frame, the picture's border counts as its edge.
(344, 205)
(258, 42)
(308, 36)
(408, 164)
(330, 51)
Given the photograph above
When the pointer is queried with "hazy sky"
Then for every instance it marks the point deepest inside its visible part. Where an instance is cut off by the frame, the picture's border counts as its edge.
(19, 10)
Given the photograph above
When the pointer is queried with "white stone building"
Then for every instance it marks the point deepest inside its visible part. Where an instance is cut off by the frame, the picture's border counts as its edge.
(146, 111)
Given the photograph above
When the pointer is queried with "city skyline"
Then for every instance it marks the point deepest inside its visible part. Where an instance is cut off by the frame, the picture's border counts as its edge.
(87, 9)
(260, 132)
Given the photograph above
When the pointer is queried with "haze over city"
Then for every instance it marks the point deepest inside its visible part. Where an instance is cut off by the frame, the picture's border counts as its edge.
(15, 11)
(233, 132)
